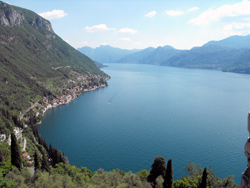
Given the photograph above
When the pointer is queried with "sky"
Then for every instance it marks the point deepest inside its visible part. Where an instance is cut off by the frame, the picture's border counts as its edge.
(138, 24)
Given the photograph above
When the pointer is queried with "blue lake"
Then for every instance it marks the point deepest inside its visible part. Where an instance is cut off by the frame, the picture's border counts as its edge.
(148, 111)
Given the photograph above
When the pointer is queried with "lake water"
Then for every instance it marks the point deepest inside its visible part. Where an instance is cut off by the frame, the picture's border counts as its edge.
(148, 111)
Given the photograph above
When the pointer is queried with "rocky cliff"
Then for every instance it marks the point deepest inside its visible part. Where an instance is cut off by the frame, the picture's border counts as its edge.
(13, 16)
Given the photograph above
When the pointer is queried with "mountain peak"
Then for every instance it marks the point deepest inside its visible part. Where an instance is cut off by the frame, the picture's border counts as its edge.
(11, 16)
(235, 41)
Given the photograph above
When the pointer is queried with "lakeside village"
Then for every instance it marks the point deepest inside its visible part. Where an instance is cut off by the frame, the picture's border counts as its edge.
(91, 83)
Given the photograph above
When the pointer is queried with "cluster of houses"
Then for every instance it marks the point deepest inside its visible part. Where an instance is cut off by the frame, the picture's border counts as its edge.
(65, 99)
(27, 158)
(73, 93)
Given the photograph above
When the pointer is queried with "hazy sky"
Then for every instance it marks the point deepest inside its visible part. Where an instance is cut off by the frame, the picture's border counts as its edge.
(138, 24)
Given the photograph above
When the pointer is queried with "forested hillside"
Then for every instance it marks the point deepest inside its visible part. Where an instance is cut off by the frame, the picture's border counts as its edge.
(38, 71)
(35, 62)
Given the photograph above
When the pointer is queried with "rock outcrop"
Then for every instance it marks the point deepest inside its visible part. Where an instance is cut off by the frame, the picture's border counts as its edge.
(41, 22)
(11, 17)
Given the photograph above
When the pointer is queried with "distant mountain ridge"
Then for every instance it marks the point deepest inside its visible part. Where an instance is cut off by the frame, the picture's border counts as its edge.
(230, 54)
(108, 54)
(237, 42)
(105, 53)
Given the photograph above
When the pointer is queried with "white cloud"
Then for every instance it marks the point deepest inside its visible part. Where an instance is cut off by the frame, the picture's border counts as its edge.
(84, 43)
(96, 28)
(193, 9)
(127, 30)
(54, 14)
(151, 14)
(174, 13)
(237, 29)
(67, 41)
(225, 11)
(125, 39)
(104, 27)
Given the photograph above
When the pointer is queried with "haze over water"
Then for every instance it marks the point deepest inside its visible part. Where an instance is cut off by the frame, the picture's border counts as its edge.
(148, 111)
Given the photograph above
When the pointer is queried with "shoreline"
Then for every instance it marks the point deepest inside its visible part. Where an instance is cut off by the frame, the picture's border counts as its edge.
(72, 98)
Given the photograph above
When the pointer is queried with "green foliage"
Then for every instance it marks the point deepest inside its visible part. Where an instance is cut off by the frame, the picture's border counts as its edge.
(204, 179)
(65, 169)
(36, 162)
(5, 167)
(143, 174)
(22, 178)
(65, 175)
(45, 164)
(168, 178)
(158, 169)
(117, 178)
(44, 179)
(194, 178)
(186, 182)
(15, 152)
(5, 154)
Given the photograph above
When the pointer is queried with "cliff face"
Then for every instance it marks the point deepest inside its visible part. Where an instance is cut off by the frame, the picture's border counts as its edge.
(41, 22)
(11, 16)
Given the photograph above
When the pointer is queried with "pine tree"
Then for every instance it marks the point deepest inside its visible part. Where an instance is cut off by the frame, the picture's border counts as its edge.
(168, 178)
(37, 163)
(204, 179)
(158, 169)
(15, 152)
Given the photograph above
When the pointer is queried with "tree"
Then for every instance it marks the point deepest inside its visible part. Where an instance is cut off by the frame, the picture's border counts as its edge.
(45, 164)
(1, 156)
(5, 154)
(204, 179)
(143, 174)
(50, 150)
(15, 152)
(168, 178)
(158, 169)
(37, 163)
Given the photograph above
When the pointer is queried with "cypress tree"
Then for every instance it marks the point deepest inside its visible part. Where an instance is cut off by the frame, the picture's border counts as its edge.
(204, 179)
(45, 164)
(37, 163)
(45, 145)
(50, 150)
(15, 152)
(158, 169)
(168, 178)
(60, 156)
